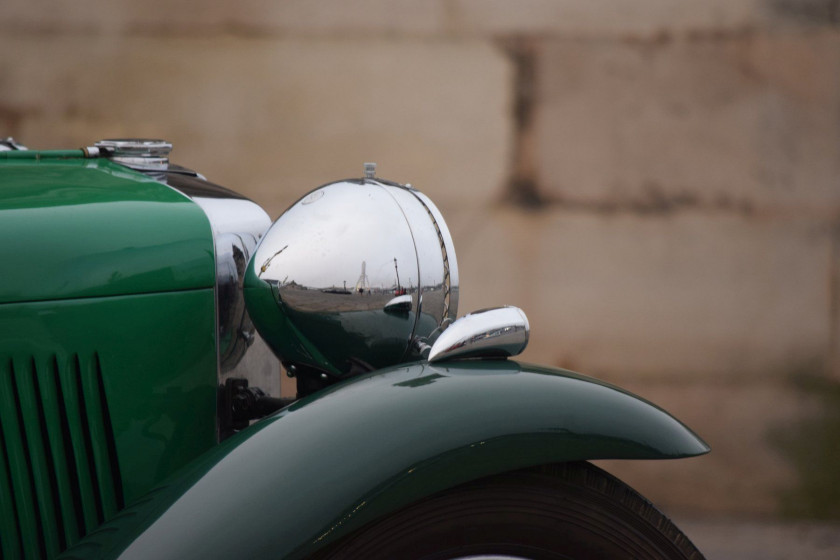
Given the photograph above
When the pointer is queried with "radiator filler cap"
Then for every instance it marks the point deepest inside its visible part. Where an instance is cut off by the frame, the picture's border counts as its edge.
(143, 154)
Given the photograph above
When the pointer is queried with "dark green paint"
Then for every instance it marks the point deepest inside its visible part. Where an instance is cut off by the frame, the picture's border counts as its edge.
(41, 154)
(84, 228)
(350, 454)
(100, 399)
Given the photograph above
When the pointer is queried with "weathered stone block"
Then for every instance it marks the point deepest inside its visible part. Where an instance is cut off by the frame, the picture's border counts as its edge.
(737, 123)
(383, 17)
(275, 118)
(722, 536)
(644, 295)
(558, 18)
(747, 471)
(834, 305)
(386, 17)
(572, 18)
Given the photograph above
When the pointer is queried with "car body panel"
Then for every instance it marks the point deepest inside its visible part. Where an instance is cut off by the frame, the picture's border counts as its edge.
(89, 228)
(108, 351)
(355, 452)
(100, 399)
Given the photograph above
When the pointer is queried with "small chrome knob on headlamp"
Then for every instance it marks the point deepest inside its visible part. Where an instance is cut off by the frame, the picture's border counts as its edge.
(370, 170)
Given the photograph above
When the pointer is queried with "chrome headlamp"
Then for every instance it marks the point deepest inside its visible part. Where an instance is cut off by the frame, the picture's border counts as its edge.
(358, 274)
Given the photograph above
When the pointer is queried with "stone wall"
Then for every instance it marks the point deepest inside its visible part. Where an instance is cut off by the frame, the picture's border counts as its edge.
(654, 182)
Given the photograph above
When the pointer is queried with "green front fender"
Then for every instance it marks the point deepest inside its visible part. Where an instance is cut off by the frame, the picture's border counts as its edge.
(339, 459)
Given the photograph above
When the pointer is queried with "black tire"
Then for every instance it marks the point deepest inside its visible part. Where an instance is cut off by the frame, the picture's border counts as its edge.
(568, 511)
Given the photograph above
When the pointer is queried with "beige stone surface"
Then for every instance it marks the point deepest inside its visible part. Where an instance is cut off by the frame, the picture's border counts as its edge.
(746, 472)
(834, 306)
(382, 17)
(387, 17)
(604, 17)
(275, 118)
(748, 122)
(567, 18)
(430, 18)
(638, 295)
(724, 537)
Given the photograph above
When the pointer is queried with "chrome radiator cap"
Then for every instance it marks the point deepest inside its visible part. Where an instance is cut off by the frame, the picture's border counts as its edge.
(143, 154)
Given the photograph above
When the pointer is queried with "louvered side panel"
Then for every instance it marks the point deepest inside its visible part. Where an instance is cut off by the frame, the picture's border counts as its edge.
(103, 448)
(17, 457)
(9, 532)
(40, 460)
(58, 463)
(58, 434)
(79, 454)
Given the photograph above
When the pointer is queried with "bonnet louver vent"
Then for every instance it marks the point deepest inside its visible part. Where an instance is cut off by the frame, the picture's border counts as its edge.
(59, 477)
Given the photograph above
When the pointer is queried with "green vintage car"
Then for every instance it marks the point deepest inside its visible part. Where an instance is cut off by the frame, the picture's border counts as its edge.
(145, 313)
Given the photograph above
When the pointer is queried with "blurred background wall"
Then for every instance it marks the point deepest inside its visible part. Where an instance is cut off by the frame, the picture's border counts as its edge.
(655, 182)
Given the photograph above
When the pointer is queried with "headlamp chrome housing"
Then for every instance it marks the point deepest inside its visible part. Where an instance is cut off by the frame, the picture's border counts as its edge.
(358, 274)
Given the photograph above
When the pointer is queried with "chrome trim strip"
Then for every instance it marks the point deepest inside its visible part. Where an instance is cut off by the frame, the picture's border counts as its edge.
(238, 224)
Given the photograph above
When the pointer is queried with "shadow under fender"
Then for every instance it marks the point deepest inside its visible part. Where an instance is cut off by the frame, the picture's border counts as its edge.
(344, 457)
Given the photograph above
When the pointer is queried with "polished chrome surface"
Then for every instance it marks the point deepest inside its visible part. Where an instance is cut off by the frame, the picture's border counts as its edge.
(370, 170)
(137, 153)
(238, 225)
(351, 249)
(399, 304)
(502, 331)
(319, 247)
(450, 284)
(91, 151)
(9, 144)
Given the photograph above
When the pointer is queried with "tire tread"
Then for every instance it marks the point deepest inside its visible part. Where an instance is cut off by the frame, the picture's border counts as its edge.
(569, 510)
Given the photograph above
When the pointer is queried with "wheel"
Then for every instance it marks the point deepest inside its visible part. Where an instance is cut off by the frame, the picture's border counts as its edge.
(567, 511)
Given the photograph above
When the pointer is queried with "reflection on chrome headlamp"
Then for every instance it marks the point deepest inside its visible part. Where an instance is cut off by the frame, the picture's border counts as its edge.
(358, 273)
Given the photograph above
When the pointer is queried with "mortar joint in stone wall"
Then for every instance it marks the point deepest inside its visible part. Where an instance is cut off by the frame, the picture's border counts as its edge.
(522, 185)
